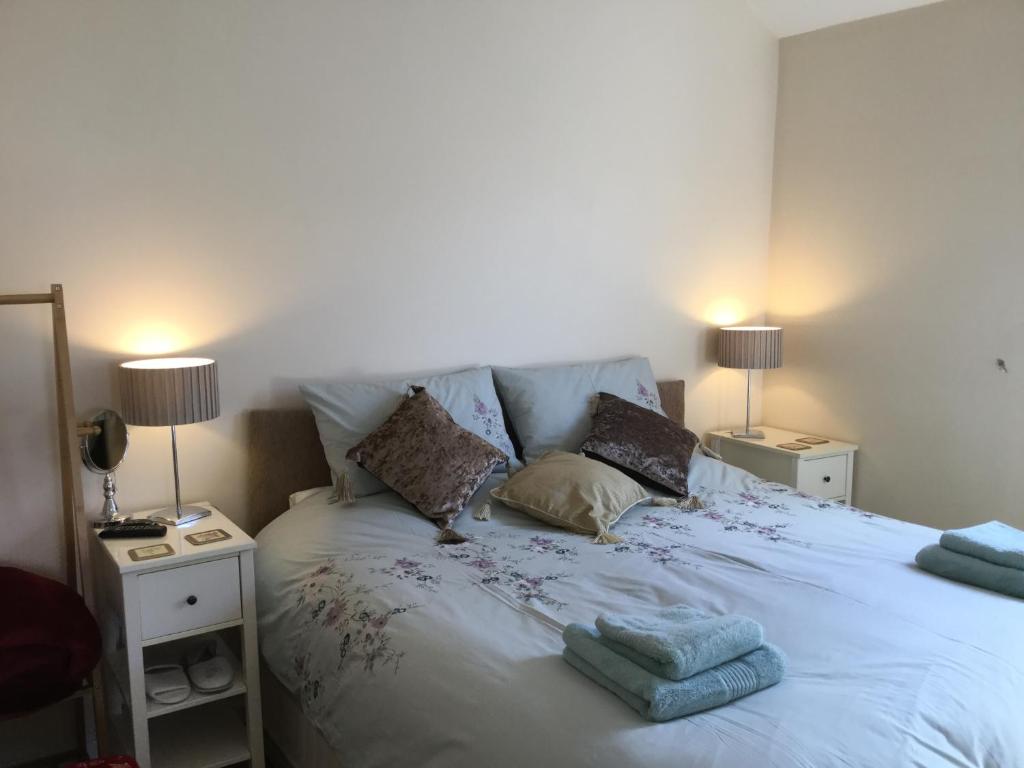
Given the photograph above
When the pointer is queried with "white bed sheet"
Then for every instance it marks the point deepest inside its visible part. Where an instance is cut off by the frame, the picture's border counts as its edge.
(404, 652)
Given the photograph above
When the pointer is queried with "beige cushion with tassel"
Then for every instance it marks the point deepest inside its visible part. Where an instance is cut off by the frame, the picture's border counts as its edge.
(573, 492)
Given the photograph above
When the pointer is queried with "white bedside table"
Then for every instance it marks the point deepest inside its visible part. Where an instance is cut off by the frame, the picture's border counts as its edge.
(822, 470)
(152, 610)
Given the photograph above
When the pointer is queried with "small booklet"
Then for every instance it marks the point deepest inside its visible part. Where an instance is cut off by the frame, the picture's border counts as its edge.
(812, 440)
(207, 537)
(795, 446)
(150, 552)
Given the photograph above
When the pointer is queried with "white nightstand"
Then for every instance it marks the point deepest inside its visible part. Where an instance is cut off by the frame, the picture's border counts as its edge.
(821, 470)
(150, 612)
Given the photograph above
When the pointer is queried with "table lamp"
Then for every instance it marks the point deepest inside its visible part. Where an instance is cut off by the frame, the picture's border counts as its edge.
(166, 392)
(751, 347)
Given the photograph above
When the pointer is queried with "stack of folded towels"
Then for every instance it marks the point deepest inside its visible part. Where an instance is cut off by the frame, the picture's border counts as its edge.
(675, 661)
(990, 555)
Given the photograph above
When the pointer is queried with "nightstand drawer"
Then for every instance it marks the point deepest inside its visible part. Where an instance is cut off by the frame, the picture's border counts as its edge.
(190, 597)
(823, 477)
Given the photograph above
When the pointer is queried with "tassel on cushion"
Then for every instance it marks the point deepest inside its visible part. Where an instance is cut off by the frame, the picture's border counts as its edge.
(484, 512)
(344, 493)
(450, 536)
(691, 502)
(664, 501)
(607, 537)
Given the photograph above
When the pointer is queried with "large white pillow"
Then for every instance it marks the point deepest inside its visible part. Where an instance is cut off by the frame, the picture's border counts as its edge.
(346, 412)
(551, 407)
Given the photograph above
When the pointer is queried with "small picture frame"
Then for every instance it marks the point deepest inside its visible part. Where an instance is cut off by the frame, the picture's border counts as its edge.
(795, 446)
(150, 552)
(812, 440)
(207, 537)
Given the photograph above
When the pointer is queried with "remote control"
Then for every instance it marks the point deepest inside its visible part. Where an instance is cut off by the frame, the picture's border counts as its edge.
(132, 529)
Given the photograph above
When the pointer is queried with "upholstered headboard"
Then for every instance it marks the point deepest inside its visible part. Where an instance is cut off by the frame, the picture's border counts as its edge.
(285, 454)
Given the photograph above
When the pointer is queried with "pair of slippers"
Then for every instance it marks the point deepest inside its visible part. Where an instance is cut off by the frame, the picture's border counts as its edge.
(203, 670)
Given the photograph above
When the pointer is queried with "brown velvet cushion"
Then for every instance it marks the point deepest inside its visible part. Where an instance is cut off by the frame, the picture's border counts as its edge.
(432, 462)
(645, 445)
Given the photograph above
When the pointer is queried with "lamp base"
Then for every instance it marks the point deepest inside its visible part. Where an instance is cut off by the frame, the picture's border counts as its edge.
(171, 516)
(752, 434)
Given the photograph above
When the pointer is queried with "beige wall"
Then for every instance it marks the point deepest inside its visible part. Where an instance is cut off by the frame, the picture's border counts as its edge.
(354, 189)
(898, 255)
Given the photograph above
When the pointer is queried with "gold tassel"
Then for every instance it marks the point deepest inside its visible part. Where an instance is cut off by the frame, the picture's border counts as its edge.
(664, 501)
(344, 493)
(690, 502)
(607, 538)
(449, 536)
(484, 512)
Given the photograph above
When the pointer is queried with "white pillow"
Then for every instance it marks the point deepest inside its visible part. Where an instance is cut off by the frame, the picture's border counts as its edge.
(300, 496)
(551, 408)
(346, 412)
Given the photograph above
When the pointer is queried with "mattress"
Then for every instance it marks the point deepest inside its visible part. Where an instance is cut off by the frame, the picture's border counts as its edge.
(400, 651)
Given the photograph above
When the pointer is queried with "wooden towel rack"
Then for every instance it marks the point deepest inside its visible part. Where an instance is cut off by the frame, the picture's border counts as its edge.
(77, 532)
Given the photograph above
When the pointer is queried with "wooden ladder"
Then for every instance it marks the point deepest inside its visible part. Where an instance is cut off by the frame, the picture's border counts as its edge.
(77, 532)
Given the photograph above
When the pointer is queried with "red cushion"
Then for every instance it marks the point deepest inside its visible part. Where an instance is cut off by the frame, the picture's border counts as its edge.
(49, 642)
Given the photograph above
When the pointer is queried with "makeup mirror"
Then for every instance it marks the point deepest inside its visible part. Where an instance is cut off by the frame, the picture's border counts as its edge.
(104, 442)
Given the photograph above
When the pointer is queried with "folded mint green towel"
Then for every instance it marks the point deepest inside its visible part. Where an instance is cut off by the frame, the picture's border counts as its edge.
(658, 699)
(680, 641)
(996, 542)
(971, 570)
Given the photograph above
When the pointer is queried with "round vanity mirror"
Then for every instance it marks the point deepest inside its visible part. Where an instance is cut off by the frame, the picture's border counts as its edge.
(103, 450)
(104, 444)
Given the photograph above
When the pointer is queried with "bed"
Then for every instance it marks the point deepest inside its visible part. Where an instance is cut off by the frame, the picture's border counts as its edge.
(383, 648)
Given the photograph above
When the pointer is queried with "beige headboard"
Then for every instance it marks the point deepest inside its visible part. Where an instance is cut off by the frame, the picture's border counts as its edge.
(285, 454)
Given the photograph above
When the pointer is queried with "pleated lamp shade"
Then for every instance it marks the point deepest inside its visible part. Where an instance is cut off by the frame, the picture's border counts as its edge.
(750, 347)
(164, 392)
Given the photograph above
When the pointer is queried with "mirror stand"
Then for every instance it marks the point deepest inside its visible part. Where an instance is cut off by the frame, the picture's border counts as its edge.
(110, 513)
(104, 442)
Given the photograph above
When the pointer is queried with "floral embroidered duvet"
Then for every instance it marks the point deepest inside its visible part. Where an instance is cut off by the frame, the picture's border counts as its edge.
(406, 652)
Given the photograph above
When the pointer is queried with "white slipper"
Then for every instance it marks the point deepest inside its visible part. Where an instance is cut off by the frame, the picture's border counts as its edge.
(208, 672)
(212, 675)
(167, 684)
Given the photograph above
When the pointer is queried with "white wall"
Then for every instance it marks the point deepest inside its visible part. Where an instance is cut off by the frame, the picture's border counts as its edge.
(898, 255)
(355, 189)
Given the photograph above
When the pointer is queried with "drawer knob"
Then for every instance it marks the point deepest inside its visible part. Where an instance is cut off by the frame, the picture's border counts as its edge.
(827, 478)
(191, 599)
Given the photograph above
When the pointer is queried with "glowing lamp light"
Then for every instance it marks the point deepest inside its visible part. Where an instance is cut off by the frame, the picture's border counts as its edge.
(166, 392)
(724, 312)
(753, 347)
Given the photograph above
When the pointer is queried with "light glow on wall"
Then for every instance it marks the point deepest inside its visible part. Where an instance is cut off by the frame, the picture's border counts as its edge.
(153, 339)
(724, 312)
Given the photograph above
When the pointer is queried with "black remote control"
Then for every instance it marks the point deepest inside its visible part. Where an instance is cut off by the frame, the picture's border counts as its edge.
(132, 529)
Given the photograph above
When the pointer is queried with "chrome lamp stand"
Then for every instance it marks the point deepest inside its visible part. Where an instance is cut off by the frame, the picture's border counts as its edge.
(748, 433)
(183, 515)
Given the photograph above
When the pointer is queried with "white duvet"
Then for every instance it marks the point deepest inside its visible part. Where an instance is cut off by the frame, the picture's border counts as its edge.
(406, 652)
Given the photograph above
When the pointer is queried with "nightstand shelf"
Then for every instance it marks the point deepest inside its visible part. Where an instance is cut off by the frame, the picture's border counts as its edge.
(196, 698)
(151, 612)
(824, 470)
(212, 737)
